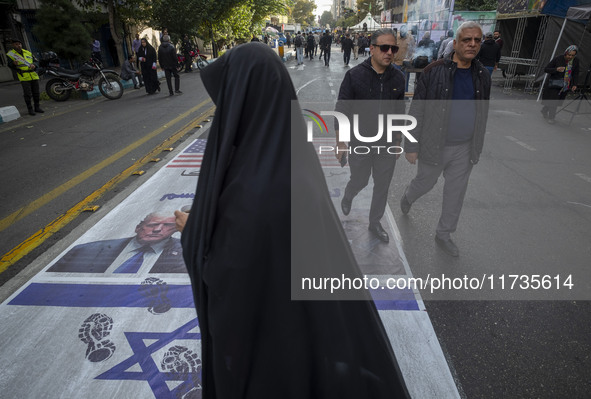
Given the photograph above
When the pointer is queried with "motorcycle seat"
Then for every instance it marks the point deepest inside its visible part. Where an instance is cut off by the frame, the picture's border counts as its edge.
(68, 73)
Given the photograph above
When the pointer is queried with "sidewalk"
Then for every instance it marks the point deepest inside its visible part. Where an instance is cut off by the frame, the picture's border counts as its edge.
(12, 104)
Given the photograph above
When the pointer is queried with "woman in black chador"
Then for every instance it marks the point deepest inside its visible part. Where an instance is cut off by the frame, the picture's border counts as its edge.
(262, 218)
(147, 57)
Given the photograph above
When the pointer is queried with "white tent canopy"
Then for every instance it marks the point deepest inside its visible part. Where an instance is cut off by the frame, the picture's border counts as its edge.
(371, 24)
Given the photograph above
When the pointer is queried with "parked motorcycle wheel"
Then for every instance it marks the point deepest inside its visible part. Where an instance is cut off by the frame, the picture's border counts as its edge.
(180, 66)
(57, 90)
(111, 87)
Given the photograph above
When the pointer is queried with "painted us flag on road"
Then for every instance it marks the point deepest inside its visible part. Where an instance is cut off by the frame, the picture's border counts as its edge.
(191, 157)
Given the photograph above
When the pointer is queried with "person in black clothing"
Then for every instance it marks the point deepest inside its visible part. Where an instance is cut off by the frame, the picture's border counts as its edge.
(563, 71)
(148, 58)
(374, 79)
(241, 236)
(347, 46)
(325, 43)
(187, 48)
(310, 43)
(167, 58)
(498, 40)
(489, 54)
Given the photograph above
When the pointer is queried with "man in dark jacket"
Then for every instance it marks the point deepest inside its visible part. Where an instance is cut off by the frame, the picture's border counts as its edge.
(374, 79)
(450, 131)
(168, 60)
(347, 46)
(325, 43)
(489, 54)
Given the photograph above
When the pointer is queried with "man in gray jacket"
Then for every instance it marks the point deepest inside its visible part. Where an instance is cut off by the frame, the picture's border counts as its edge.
(168, 62)
(451, 107)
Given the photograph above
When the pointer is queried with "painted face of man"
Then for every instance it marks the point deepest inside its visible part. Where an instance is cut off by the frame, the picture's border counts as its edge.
(155, 229)
(467, 45)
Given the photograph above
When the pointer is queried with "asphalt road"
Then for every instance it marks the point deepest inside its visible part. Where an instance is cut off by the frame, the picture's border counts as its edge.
(527, 211)
(53, 161)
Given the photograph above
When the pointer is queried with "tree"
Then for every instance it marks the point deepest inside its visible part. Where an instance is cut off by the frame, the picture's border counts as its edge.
(59, 29)
(118, 12)
(327, 19)
(303, 12)
(368, 6)
(476, 5)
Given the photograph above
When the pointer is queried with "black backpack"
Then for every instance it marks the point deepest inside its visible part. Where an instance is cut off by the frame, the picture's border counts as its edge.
(310, 41)
(298, 41)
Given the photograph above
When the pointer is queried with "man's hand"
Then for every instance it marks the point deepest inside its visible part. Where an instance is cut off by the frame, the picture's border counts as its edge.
(560, 69)
(341, 148)
(411, 157)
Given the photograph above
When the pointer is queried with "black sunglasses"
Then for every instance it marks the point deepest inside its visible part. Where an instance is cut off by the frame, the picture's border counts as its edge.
(386, 47)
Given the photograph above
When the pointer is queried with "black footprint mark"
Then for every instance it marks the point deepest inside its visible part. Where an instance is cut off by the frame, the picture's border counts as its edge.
(92, 332)
(155, 290)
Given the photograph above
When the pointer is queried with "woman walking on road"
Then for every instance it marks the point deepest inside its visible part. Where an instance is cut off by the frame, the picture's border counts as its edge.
(563, 71)
(262, 218)
(148, 58)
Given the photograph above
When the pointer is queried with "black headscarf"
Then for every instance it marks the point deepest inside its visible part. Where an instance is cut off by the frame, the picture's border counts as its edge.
(239, 242)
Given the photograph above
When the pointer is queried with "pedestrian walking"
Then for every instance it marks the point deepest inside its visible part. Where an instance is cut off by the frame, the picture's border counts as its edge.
(444, 43)
(168, 59)
(148, 58)
(346, 47)
(451, 132)
(22, 62)
(498, 40)
(563, 71)
(310, 46)
(355, 46)
(326, 43)
(255, 341)
(374, 79)
(299, 46)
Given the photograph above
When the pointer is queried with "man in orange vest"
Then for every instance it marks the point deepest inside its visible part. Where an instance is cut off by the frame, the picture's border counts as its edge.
(22, 61)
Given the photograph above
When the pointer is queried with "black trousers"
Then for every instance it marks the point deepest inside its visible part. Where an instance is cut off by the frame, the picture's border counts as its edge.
(168, 73)
(326, 57)
(381, 167)
(188, 62)
(347, 56)
(31, 90)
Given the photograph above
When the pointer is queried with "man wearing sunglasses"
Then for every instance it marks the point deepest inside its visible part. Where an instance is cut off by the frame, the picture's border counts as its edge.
(374, 79)
(450, 104)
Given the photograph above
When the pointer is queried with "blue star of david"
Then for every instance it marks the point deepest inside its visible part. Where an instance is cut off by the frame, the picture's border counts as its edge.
(142, 355)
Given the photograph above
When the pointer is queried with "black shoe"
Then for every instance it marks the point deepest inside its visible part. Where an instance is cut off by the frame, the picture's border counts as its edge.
(346, 206)
(379, 232)
(31, 112)
(141, 85)
(171, 94)
(39, 110)
(448, 246)
(158, 89)
(136, 87)
(404, 204)
(178, 92)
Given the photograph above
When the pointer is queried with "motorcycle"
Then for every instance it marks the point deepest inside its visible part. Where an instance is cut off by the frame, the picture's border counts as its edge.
(64, 81)
(201, 60)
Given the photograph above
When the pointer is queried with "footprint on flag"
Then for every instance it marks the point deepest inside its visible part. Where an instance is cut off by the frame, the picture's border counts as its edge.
(93, 332)
(155, 291)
